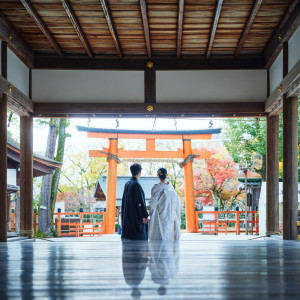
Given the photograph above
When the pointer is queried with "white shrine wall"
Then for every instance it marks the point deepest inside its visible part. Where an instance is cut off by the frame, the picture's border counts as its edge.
(128, 86)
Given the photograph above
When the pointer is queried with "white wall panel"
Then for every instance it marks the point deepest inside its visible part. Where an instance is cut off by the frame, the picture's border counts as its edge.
(294, 48)
(17, 73)
(211, 86)
(276, 72)
(88, 86)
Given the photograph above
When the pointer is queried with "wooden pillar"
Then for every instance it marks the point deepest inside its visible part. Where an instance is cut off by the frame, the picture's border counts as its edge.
(111, 188)
(8, 211)
(26, 176)
(3, 149)
(190, 212)
(150, 86)
(3, 168)
(272, 175)
(290, 167)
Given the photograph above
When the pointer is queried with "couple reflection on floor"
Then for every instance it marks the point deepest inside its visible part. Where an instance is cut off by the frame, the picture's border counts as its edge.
(160, 257)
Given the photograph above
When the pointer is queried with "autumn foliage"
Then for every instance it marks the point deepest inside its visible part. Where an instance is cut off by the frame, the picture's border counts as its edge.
(215, 181)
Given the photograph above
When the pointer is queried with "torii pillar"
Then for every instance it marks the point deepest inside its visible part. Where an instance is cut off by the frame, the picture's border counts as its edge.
(190, 212)
(111, 188)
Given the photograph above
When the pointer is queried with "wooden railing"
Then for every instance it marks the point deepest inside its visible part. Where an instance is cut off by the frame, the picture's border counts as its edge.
(76, 224)
(226, 222)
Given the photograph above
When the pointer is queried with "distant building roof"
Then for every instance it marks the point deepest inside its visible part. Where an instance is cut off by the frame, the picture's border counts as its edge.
(12, 189)
(147, 182)
(41, 164)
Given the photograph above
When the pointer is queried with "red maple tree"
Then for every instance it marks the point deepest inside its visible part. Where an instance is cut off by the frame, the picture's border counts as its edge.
(215, 181)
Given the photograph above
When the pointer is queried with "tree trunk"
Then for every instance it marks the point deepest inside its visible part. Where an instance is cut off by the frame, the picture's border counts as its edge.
(62, 135)
(44, 205)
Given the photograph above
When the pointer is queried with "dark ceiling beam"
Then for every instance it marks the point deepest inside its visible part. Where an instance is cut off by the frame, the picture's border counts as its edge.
(111, 26)
(137, 64)
(288, 25)
(15, 42)
(290, 85)
(69, 110)
(214, 27)
(17, 101)
(180, 27)
(143, 6)
(71, 14)
(248, 26)
(33, 13)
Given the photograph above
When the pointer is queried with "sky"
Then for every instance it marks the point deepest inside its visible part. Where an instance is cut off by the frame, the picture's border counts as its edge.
(79, 141)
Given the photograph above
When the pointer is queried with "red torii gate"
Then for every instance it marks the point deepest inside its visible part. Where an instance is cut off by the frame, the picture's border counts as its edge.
(113, 153)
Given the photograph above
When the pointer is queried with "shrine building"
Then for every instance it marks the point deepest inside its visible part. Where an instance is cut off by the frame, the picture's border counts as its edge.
(152, 59)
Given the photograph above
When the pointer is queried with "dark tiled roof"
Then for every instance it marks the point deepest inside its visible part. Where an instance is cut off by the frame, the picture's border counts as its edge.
(15, 144)
(147, 182)
(116, 130)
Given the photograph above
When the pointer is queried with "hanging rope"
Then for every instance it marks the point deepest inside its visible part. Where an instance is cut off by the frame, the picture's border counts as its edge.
(111, 156)
(189, 158)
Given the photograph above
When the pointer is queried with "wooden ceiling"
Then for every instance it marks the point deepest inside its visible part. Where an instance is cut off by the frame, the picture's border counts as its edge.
(121, 29)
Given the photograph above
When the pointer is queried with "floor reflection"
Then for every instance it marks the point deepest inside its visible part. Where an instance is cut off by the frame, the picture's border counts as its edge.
(134, 262)
(164, 260)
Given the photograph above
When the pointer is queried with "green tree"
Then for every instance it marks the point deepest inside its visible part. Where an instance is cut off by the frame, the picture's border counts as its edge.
(82, 172)
(57, 130)
(246, 138)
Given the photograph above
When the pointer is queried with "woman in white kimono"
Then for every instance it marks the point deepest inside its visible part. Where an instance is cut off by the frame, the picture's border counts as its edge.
(164, 210)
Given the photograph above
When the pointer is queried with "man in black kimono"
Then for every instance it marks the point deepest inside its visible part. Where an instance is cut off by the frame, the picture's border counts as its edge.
(134, 213)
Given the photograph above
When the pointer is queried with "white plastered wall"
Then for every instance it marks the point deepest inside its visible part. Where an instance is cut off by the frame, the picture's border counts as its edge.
(276, 72)
(294, 48)
(17, 73)
(88, 86)
(128, 86)
(211, 86)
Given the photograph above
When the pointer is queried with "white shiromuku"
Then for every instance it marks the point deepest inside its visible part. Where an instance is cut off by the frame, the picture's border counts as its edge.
(164, 213)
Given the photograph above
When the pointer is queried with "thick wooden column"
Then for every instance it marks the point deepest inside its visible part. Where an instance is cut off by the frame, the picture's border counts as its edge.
(3, 149)
(3, 168)
(111, 188)
(272, 175)
(26, 175)
(190, 212)
(290, 167)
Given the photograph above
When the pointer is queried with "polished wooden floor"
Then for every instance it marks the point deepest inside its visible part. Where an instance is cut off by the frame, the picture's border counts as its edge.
(254, 269)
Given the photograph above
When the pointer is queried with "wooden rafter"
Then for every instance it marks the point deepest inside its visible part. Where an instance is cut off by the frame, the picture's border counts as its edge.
(180, 26)
(248, 26)
(288, 25)
(70, 12)
(135, 64)
(214, 27)
(37, 19)
(146, 26)
(15, 42)
(111, 26)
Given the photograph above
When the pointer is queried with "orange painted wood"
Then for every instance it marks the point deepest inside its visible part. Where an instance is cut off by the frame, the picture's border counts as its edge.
(149, 136)
(149, 153)
(191, 225)
(111, 189)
